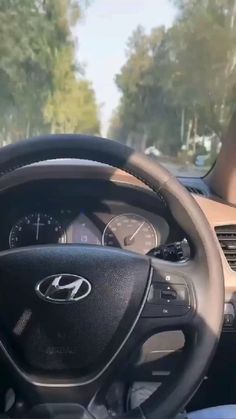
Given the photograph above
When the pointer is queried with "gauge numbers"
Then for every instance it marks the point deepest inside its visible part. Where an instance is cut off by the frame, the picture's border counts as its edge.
(36, 229)
(130, 232)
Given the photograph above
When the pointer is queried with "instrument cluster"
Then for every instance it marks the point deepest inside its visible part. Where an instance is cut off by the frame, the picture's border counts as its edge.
(139, 232)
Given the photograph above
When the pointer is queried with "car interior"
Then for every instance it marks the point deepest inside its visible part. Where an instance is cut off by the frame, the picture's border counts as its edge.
(97, 219)
(117, 209)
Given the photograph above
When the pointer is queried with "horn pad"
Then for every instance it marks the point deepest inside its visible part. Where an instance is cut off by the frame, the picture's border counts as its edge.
(67, 309)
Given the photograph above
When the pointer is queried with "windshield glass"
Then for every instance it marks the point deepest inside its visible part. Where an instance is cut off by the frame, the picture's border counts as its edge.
(158, 75)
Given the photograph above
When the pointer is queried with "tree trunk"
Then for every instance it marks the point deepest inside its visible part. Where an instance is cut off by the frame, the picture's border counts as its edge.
(230, 66)
(232, 17)
(143, 143)
(28, 129)
(190, 125)
(195, 129)
(182, 126)
(129, 140)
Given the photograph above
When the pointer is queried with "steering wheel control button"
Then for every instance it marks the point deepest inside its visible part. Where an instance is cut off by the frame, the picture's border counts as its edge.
(168, 294)
(63, 288)
(172, 294)
(167, 278)
(165, 310)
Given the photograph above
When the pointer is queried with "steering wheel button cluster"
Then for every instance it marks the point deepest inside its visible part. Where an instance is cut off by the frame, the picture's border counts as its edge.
(168, 294)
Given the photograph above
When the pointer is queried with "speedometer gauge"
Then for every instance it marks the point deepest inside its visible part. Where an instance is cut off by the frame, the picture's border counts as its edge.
(36, 229)
(131, 232)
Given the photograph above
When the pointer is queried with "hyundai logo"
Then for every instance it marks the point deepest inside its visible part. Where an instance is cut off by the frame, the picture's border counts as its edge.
(63, 288)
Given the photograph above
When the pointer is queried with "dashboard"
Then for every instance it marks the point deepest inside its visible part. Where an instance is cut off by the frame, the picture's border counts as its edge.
(94, 212)
(71, 201)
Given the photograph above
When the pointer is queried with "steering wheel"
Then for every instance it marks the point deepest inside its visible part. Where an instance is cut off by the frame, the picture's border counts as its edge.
(71, 315)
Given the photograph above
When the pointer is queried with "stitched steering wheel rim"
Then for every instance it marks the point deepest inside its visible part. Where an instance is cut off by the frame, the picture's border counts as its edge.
(189, 216)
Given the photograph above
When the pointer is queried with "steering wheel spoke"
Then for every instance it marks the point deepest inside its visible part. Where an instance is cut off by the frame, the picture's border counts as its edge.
(76, 313)
(171, 300)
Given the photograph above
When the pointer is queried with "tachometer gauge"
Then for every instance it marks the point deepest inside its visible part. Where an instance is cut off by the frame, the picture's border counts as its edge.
(36, 229)
(131, 232)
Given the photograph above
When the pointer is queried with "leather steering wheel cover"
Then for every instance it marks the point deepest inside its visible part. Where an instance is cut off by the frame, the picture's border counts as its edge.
(186, 212)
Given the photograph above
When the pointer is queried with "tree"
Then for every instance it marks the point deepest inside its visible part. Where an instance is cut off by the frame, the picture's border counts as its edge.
(180, 83)
(34, 35)
(24, 65)
(145, 107)
(204, 66)
(141, 95)
(71, 106)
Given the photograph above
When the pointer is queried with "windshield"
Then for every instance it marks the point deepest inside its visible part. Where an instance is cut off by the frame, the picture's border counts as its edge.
(157, 75)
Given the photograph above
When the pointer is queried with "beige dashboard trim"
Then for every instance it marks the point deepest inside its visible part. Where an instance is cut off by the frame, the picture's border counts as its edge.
(219, 214)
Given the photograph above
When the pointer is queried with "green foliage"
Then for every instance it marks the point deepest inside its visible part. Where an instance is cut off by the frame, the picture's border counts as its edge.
(179, 83)
(71, 107)
(34, 35)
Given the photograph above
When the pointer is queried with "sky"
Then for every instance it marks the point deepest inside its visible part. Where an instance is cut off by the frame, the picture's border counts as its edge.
(102, 37)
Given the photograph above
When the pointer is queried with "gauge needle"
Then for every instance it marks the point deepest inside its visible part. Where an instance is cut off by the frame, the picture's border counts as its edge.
(129, 239)
(37, 229)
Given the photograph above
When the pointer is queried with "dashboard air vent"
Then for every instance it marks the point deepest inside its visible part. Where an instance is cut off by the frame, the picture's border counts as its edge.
(196, 191)
(227, 238)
